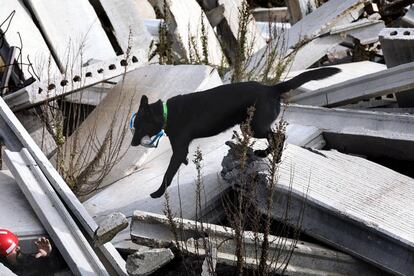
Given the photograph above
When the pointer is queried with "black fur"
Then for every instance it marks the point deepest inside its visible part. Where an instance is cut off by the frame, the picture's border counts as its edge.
(207, 113)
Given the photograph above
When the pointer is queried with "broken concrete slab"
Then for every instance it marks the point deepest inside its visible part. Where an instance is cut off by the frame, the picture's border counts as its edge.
(149, 228)
(392, 80)
(313, 51)
(23, 33)
(59, 224)
(155, 81)
(38, 131)
(5, 271)
(73, 31)
(408, 18)
(366, 34)
(311, 27)
(16, 138)
(128, 25)
(16, 213)
(371, 133)
(186, 20)
(351, 203)
(74, 81)
(146, 263)
(146, 175)
(349, 71)
(300, 8)
(277, 14)
(397, 46)
(304, 136)
(364, 31)
(231, 33)
(109, 227)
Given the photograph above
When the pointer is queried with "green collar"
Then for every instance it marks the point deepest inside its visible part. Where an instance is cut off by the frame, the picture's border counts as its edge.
(165, 114)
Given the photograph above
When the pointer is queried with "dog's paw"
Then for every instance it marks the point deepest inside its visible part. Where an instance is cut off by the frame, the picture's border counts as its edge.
(260, 153)
(157, 193)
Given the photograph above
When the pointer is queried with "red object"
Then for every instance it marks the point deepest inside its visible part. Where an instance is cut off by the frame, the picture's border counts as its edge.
(8, 242)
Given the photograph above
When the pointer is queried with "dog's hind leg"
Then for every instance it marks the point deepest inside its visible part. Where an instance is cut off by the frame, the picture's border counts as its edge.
(179, 156)
(263, 118)
(276, 141)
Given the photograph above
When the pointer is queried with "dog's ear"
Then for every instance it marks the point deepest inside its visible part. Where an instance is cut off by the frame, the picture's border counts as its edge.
(144, 100)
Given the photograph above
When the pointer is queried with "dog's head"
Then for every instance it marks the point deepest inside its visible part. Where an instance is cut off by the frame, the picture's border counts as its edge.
(147, 122)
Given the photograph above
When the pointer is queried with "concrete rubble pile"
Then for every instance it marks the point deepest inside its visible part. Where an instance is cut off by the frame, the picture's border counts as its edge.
(72, 73)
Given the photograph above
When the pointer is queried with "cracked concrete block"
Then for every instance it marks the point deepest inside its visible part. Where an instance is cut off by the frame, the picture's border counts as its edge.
(147, 262)
(109, 227)
(398, 48)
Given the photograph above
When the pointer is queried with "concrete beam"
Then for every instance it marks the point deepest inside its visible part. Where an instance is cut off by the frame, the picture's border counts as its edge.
(184, 24)
(348, 202)
(366, 31)
(60, 85)
(397, 46)
(5, 271)
(128, 25)
(254, 40)
(23, 30)
(392, 80)
(349, 71)
(330, 14)
(155, 229)
(73, 32)
(16, 213)
(298, 9)
(372, 130)
(148, 262)
(69, 239)
(279, 14)
(17, 138)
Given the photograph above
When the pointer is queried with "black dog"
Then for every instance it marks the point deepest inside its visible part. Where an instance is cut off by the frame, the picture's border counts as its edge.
(207, 113)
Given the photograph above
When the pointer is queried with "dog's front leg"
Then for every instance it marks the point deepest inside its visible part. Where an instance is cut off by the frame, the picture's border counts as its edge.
(179, 156)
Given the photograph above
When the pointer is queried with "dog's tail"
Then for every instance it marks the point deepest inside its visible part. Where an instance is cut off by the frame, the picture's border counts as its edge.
(316, 74)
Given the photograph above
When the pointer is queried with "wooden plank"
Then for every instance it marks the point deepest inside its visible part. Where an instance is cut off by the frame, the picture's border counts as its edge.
(69, 239)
